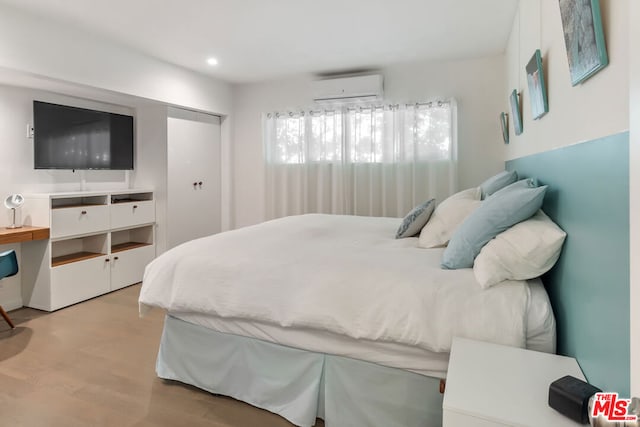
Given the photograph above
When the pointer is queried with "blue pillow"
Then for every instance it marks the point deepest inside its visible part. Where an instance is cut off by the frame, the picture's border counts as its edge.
(503, 209)
(498, 182)
(416, 219)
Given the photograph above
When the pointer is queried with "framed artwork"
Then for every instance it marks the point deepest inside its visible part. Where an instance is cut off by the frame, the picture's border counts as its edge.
(583, 38)
(516, 112)
(504, 125)
(537, 88)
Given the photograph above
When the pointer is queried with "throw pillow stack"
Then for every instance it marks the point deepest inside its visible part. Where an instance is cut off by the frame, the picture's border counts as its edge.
(497, 228)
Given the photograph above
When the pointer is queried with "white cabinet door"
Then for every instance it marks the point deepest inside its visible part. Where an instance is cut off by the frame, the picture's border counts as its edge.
(127, 267)
(79, 281)
(194, 177)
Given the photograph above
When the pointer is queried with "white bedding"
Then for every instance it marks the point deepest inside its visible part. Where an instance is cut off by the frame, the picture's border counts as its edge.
(540, 337)
(341, 274)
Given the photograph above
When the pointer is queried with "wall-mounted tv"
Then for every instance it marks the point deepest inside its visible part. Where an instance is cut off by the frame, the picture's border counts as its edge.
(77, 138)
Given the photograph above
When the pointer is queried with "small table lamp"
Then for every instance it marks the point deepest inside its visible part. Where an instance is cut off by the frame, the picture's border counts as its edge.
(13, 202)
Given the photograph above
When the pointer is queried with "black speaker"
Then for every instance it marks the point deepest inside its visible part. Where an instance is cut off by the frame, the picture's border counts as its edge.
(570, 396)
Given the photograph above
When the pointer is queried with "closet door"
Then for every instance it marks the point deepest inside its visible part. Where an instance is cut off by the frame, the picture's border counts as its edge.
(194, 177)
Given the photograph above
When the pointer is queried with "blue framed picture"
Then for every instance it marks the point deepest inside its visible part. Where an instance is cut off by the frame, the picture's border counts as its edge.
(516, 112)
(537, 88)
(583, 38)
(504, 126)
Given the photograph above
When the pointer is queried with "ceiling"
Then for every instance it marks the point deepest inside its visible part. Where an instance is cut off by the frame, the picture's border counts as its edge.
(256, 40)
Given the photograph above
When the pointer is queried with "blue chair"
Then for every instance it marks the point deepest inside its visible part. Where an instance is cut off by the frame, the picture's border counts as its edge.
(8, 268)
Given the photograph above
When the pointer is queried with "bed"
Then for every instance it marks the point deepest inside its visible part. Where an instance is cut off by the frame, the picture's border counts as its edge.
(329, 316)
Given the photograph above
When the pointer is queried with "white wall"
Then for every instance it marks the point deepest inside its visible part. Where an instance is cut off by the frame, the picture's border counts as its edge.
(477, 85)
(151, 163)
(634, 196)
(594, 109)
(35, 45)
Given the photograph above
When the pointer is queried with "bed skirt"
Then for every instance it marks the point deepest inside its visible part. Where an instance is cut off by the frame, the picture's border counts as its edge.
(298, 385)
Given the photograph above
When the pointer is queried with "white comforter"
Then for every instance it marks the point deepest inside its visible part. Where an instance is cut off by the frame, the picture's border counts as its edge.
(344, 274)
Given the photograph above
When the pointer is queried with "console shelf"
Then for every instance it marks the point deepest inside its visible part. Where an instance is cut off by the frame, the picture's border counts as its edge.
(75, 257)
(128, 245)
(100, 241)
(76, 205)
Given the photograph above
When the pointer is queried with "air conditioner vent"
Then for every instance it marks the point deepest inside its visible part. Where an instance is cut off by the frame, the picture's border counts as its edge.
(346, 89)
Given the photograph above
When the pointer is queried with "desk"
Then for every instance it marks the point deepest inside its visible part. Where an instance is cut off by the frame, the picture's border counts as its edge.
(22, 234)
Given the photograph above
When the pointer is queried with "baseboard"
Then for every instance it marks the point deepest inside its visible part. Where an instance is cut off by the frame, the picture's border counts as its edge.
(11, 304)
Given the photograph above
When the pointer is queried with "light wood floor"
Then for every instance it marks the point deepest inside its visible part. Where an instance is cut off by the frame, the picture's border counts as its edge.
(92, 364)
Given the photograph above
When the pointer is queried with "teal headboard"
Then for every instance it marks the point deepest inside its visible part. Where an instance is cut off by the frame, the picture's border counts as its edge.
(588, 197)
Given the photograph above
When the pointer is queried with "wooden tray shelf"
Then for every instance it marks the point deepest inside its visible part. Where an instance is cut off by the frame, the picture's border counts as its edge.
(75, 257)
(77, 205)
(128, 245)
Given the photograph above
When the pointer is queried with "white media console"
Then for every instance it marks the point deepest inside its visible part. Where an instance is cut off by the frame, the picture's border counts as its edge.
(100, 241)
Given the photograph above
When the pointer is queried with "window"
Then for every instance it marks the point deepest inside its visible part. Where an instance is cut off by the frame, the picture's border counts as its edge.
(373, 160)
(376, 134)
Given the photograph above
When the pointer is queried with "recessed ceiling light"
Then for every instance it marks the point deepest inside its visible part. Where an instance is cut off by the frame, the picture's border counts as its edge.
(212, 61)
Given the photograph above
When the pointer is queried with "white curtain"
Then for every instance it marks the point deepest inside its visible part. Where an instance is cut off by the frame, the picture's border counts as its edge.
(371, 161)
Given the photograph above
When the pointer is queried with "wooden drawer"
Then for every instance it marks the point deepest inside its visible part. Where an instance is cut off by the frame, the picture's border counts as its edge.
(79, 281)
(132, 213)
(78, 220)
(127, 267)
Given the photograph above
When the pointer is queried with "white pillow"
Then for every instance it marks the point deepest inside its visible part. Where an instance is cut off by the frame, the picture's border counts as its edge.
(525, 251)
(448, 215)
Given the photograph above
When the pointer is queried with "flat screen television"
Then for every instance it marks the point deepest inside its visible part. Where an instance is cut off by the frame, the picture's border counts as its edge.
(77, 138)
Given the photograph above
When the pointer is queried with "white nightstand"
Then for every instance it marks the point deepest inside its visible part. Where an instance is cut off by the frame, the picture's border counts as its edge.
(495, 385)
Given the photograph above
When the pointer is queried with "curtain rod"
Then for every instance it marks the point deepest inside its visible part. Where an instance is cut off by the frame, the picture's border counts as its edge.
(428, 104)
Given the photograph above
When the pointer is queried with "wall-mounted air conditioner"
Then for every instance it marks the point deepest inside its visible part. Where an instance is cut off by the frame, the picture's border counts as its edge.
(347, 89)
